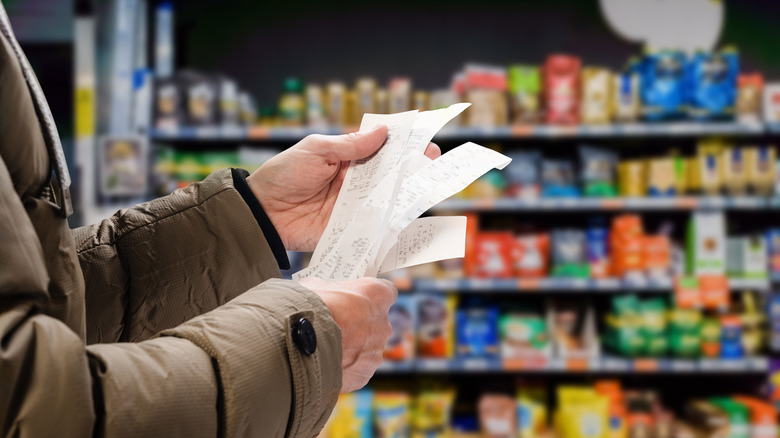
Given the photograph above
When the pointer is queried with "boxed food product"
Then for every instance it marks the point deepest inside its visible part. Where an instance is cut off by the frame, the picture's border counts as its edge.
(657, 256)
(493, 253)
(712, 84)
(561, 88)
(558, 179)
(626, 251)
(772, 103)
(663, 85)
(617, 408)
(653, 314)
(661, 177)
(402, 316)
(749, 90)
(773, 249)
(710, 337)
(524, 334)
(523, 174)
(436, 331)
(573, 329)
(596, 104)
(486, 90)
(746, 257)
(632, 180)
(710, 166)
(624, 327)
(531, 255)
(497, 416)
(753, 320)
(476, 326)
(625, 94)
(761, 169)
(731, 337)
(392, 414)
(525, 86)
(598, 251)
(707, 243)
(168, 105)
(598, 171)
(685, 332)
(569, 258)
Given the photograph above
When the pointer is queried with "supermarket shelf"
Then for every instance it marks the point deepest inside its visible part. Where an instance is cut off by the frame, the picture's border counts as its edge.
(617, 204)
(606, 364)
(217, 133)
(605, 285)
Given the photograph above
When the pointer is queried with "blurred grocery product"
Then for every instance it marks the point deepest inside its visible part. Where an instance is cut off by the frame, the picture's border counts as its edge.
(561, 89)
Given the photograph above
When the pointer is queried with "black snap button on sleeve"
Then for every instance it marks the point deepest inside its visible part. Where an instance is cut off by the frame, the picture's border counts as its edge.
(304, 336)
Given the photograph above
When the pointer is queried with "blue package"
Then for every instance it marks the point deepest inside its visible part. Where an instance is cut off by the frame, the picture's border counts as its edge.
(403, 320)
(558, 179)
(712, 85)
(597, 249)
(662, 87)
(731, 340)
(477, 331)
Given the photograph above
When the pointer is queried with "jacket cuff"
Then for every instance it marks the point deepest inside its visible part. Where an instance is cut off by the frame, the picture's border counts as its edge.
(268, 386)
(269, 231)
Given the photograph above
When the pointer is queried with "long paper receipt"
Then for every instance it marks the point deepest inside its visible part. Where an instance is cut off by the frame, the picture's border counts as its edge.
(375, 226)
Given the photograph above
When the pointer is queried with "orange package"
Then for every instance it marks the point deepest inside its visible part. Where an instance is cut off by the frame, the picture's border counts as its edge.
(531, 255)
(494, 255)
(626, 242)
(763, 417)
(656, 253)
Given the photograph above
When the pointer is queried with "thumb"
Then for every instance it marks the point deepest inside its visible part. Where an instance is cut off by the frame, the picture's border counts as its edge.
(355, 145)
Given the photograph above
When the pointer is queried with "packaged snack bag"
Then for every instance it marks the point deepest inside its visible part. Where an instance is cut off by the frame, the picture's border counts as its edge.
(525, 87)
(761, 169)
(436, 332)
(763, 417)
(352, 416)
(710, 337)
(524, 175)
(561, 84)
(712, 79)
(749, 90)
(663, 85)
(558, 179)
(661, 177)
(617, 408)
(523, 334)
(392, 414)
(531, 411)
(653, 314)
(595, 107)
(497, 416)
(598, 171)
(731, 337)
(735, 171)
(569, 254)
(598, 251)
(403, 316)
(432, 414)
(582, 413)
(632, 180)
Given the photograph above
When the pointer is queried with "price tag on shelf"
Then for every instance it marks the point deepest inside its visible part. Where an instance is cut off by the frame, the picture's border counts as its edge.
(484, 204)
(434, 364)
(686, 293)
(522, 130)
(615, 364)
(481, 284)
(714, 291)
(612, 204)
(686, 203)
(258, 132)
(577, 364)
(682, 365)
(476, 364)
(528, 284)
(646, 365)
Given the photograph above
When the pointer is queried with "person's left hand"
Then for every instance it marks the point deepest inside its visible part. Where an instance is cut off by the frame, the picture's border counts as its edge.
(298, 187)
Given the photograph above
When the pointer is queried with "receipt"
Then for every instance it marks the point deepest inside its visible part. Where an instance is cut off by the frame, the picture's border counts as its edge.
(383, 194)
(427, 240)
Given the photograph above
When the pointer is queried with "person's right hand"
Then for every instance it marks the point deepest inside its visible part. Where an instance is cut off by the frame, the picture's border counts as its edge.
(360, 309)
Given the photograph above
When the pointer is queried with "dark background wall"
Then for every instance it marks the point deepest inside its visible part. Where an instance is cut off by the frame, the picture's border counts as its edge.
(260, 43)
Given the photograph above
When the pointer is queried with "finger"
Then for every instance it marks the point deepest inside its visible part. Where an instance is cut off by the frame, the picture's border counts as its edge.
(352, 146)
(388, 291)
(433, 151)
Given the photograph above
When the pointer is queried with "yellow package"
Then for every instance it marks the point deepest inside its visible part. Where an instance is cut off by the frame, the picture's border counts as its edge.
(680, 175)
(735, 172)
(582, 413)
(392, 414)
(596, 107)
(432, 414)
(532, 412)
(761, 169)
(710, 167)
(661, 177)
(366, 96)
(351, 418)
(631, 178)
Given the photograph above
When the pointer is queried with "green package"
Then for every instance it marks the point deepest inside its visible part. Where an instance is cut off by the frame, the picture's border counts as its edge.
(522, 331)
(739, 421)
(525, 85)
(685, 332)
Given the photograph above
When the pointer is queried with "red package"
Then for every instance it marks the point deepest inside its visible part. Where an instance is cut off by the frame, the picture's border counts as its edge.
(561, 87)
(531, 255)
(494, 255)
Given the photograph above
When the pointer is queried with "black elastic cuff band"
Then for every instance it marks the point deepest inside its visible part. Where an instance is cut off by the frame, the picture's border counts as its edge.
(269, 231)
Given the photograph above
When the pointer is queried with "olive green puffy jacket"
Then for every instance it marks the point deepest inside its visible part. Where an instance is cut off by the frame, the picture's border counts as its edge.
(163, 320)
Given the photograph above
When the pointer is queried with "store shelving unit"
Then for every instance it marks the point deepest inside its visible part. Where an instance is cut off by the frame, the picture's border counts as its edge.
(612, 204)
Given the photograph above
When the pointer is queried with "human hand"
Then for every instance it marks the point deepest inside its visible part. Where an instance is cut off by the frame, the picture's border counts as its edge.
(360, 309)
(298, 187)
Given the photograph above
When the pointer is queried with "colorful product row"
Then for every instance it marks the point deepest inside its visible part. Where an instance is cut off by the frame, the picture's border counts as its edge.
(604, 410)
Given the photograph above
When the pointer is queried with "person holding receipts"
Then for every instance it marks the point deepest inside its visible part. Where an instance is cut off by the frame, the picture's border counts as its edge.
(169, 319)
